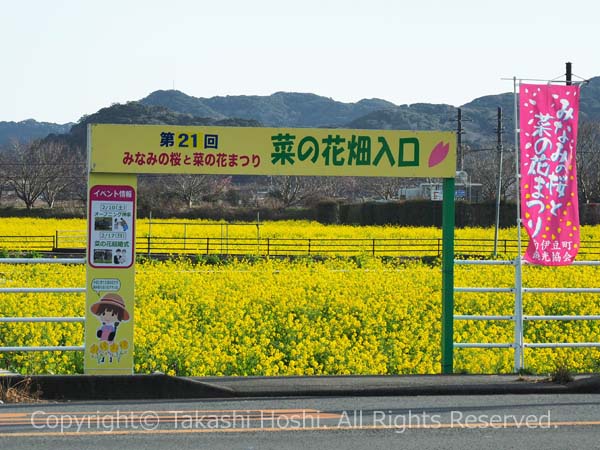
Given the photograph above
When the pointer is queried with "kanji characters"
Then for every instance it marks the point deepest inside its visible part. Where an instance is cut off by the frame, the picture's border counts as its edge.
(167, 139)
(283, 149)
(359, 148)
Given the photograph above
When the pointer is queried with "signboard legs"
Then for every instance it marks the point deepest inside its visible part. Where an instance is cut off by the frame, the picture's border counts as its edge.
(110, 272)
(448, 277)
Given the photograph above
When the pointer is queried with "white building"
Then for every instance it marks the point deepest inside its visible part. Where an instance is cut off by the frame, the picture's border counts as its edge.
(464, 190)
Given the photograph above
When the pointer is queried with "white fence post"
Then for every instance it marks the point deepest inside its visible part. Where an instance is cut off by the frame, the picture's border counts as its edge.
(518, 315)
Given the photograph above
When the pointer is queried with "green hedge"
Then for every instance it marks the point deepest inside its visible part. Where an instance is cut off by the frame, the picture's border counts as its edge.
(419, 213)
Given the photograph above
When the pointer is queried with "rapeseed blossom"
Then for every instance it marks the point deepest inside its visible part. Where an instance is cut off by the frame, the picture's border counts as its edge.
(302, 317)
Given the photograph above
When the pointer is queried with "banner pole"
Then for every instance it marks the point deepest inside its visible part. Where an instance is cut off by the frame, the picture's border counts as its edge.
(517, 163)
(518, 307)
(448, 276)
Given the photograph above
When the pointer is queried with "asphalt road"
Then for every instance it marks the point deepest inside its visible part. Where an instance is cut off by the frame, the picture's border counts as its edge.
(564, 421)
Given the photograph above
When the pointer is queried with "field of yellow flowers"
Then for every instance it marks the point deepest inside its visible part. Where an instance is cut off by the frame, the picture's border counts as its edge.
(278, 229)
(273, 238)
(303, 317)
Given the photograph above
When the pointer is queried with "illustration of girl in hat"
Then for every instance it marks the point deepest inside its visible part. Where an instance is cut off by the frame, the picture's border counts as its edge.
(111, 311)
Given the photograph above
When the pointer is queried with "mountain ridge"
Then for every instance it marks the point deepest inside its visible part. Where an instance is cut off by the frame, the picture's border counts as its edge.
(296, 109)
(278, 109)
(29, 129)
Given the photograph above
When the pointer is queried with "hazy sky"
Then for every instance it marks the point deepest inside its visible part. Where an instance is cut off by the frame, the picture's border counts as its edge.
(65, 58)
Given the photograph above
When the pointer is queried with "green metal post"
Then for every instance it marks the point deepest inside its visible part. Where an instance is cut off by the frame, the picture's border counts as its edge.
(448, 276)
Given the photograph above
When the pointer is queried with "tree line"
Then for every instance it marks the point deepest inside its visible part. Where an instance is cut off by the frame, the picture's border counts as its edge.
(49, 170)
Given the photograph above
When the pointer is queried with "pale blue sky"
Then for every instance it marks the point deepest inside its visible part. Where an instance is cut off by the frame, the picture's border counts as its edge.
(66, 58)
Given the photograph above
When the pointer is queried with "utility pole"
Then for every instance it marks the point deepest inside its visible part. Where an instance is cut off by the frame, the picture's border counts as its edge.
(500, 148)
(459, 133)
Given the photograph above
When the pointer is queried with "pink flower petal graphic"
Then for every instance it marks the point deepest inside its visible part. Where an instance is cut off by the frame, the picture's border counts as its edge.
(438, 154)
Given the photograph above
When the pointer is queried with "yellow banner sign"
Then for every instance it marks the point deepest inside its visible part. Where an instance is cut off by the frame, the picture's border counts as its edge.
(168, 149)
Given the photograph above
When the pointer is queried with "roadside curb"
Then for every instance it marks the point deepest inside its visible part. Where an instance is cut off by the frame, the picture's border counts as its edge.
(401, 385)
(161, 386)
(118, 387)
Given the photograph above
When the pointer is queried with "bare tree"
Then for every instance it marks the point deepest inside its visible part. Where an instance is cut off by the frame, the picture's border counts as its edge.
(3, 182)
(23, 172)
(193, 188)
(588, 162)
(384, 188)
(321, 188)
(64, 167)
(151, 193)
(40, 170)
(289, 190)
(349, 188)
(295, 190)
(483, 168)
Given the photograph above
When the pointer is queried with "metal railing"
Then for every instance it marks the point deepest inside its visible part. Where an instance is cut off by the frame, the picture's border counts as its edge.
(28, 243)
(15, 290)
(72, 242)
(518, 317)
(70, 239)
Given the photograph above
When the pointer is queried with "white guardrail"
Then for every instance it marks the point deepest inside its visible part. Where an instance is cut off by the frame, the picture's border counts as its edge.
(518, 317)
(42, 290)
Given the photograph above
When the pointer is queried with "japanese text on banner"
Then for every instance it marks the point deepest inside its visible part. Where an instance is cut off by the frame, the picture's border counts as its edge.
(550, 213)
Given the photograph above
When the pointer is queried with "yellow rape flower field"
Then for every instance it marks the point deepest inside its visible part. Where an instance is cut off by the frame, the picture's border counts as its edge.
(300, 229)
(274, 238)
(304, 317)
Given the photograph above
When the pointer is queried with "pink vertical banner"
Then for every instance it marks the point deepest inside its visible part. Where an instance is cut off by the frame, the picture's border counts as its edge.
(549, 204)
